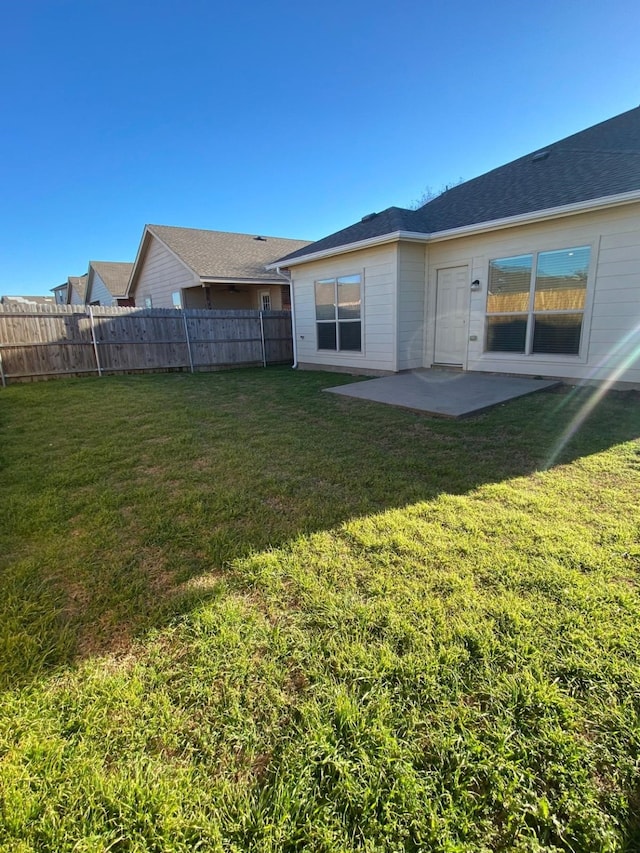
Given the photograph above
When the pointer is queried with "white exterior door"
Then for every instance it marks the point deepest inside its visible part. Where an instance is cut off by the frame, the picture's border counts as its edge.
(452, 293)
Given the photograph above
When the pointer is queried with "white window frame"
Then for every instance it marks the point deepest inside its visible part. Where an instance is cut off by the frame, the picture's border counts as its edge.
(336, 321)
(530, 311)
(177, 303)
(261, 296)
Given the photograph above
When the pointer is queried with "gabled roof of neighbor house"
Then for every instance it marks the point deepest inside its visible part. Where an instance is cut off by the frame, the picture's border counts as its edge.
(114, 274)
(78, 283)
(599, 162)
(221, 255)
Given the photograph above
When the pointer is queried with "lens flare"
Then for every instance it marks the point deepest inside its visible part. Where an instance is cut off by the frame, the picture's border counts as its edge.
(621, 357)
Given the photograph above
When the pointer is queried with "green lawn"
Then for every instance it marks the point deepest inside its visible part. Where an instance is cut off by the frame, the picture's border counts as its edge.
(239, 614)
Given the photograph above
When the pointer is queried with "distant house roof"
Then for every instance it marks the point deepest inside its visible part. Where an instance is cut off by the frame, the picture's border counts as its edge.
(601, 161)
(77, 283)
(224, 255)
(62, 286)
(114, 274)
(27, 300)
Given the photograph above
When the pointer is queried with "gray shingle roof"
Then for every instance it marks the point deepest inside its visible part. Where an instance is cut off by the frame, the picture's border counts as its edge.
(114, 274)
(225, 255)
(600, 161)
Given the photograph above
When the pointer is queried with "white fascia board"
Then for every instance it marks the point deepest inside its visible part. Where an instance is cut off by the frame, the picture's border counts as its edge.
(467, 230)
(351, 247)
(591, 204)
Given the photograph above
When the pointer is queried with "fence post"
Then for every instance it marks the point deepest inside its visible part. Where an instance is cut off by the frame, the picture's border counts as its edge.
(186, 334)
(95, 342)
(2, 376)
(264, 349)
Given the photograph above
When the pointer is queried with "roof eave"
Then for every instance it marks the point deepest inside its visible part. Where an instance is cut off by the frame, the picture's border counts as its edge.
(467, 230)
(205, 279)
(587, 206)
(380, 240)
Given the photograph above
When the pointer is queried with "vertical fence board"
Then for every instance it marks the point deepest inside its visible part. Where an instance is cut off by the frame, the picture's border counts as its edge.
(56, 340)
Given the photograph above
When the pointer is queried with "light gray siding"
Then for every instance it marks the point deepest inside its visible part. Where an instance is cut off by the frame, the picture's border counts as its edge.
(611, 327)
(378, 268)
(75, 298)
(99, 292)
(411, 294)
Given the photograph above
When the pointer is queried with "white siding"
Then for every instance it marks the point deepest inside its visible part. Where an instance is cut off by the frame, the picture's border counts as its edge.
(612, 313)
(411, 272)
(161, 275)
(378, 268)
(99, 292)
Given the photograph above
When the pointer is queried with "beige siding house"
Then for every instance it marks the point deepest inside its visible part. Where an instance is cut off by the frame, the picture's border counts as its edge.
(531, 269)
(196, 268)
(107, 283)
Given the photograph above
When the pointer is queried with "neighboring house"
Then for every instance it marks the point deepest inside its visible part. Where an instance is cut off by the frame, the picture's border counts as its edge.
(77, 289)
(107, 283)
(532, 268)
(27, 300)
(60, 293)
(194, 268)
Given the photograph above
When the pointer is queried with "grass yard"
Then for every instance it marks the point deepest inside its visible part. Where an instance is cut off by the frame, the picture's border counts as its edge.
(238, 614)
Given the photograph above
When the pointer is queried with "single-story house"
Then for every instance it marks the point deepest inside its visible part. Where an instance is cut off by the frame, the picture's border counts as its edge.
(532, 268)
(77, 289)
(196, 268)
(107, 283)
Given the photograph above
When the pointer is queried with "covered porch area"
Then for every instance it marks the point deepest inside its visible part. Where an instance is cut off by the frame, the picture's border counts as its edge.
(237, 297)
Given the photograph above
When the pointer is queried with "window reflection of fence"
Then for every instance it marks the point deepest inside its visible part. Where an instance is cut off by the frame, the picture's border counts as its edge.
(559, 299)
(67, 340)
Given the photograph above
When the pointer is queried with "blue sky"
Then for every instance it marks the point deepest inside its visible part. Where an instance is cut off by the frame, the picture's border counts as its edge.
(280, 118)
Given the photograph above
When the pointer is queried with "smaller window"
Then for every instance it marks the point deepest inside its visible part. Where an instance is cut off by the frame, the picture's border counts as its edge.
(265, 301)
(177, 299)
(148, 302)
(339, 313)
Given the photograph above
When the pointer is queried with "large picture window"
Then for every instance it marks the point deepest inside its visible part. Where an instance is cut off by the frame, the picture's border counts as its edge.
(339, 313)
(535, 303)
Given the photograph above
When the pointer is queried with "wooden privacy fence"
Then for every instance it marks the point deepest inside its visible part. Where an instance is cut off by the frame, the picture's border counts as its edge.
(56, 340)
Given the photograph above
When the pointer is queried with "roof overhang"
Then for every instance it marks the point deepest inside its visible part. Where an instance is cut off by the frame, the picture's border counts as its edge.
(235, 280)
(466, 230)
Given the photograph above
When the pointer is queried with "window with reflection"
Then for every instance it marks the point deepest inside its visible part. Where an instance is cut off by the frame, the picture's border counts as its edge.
(535, 302)
(339, 313)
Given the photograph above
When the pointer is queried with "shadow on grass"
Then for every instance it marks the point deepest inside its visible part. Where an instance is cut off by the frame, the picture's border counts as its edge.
(122, 492)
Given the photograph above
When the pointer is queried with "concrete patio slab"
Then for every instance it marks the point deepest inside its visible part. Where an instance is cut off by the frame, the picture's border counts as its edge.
(444, 393)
